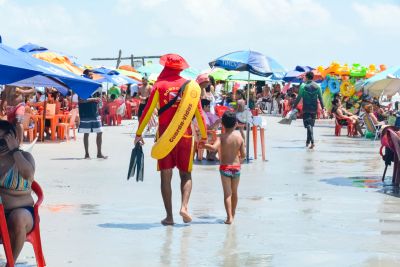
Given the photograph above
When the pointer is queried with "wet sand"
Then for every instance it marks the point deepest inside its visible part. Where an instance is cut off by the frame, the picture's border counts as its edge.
(296, 209)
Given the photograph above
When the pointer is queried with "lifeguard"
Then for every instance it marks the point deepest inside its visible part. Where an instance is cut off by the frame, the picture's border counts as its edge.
(177, 101)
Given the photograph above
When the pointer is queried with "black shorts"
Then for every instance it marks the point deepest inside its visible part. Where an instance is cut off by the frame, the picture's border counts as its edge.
(309, 119)
(141, 108)
(28, 208)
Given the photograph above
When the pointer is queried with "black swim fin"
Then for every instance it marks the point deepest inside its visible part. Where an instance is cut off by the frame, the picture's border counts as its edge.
(136, 163)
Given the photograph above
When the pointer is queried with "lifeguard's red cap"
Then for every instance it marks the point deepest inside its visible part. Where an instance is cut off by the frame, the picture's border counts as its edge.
(174, 61)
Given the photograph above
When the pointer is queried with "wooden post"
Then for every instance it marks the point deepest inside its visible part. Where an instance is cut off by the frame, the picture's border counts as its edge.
(132, 61)
(119, 58)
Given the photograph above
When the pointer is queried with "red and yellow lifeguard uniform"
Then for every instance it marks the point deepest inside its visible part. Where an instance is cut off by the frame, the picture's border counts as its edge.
(165, 89)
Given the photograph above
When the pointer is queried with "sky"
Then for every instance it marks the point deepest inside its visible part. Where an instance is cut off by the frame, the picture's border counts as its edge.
(293, 32)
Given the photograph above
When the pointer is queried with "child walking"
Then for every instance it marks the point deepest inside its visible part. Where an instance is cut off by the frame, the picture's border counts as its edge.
(231, 149)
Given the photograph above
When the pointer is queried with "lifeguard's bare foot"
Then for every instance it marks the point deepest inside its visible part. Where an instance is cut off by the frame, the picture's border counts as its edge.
(101, 156)
(229, 221)
(167, 221)
(87, 156)
(312, 146)
(185, 216)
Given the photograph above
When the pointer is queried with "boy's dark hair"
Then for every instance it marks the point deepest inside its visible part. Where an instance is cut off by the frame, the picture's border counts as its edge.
(113, 96)
(229, 119)
(205, 103)
(309, 75)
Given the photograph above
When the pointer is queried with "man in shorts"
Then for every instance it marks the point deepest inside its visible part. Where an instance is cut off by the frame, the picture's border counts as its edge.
(90, 121)
(165, 89)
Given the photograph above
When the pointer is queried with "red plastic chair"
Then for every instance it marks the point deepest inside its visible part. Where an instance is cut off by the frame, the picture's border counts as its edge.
(338, 127)
(220, 110)
(34, 236)
(5, 238)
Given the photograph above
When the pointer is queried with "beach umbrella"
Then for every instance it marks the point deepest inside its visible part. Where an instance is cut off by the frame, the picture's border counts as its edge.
(386, 82)
(221, 74)
(128, 68)
(243, 76)
(149, 69)
(113, 76)
(131, 74)
(32, 48)
(190, 73)
(252, 62)
(13, 68)
(56, 58)
(82, 86)
(293, 75)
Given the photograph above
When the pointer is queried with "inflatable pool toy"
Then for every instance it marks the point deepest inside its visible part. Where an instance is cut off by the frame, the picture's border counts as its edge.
(180, 122)
(347, 88)
(382, 67)
(322, 71)
(333, 68)
(344, 70)
(334, 85)
(327, 97)
(324, 85)
(358, 71)
(372, 70)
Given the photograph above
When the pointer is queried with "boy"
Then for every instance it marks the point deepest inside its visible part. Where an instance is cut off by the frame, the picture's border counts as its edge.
(232, 153)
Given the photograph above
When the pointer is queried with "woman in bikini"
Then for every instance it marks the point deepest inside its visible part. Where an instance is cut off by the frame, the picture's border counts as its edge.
(17, 169)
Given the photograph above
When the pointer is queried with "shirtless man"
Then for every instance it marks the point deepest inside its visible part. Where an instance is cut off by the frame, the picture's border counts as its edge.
(143, 93)
(13, 105)
(232, 153)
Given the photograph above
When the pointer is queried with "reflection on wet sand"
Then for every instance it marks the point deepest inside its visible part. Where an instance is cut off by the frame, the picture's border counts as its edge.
(229, 253)
(165, 253)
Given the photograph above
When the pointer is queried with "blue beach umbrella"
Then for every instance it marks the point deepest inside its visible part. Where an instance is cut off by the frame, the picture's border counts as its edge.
(82, 86)
(292, 76)
(253, 62)
(113, 76)
(12, 67)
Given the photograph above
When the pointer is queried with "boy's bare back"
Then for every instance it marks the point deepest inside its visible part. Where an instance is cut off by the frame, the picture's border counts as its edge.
(231, 148)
